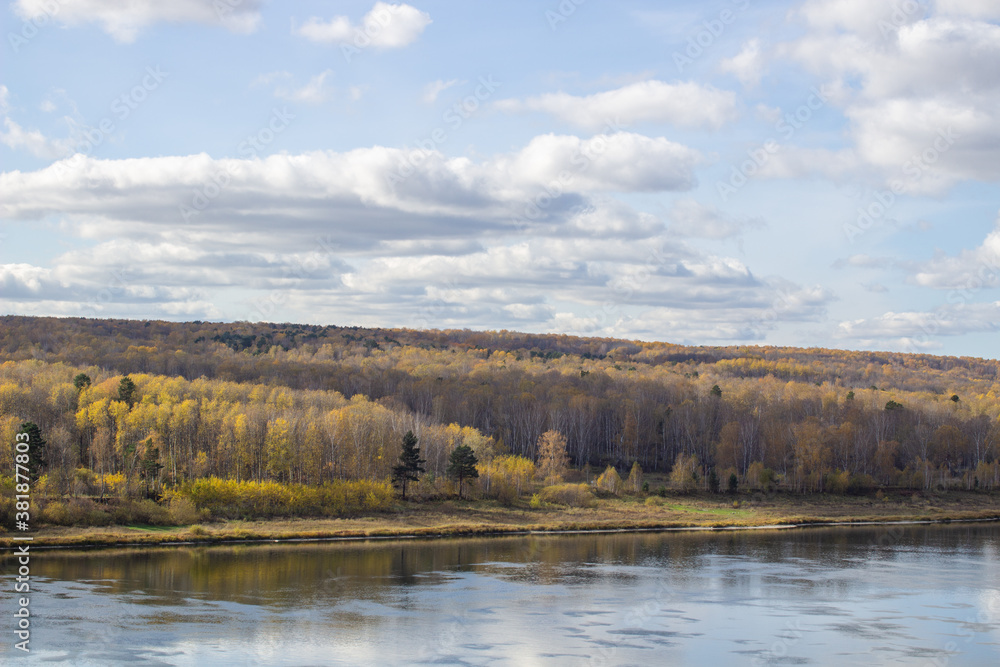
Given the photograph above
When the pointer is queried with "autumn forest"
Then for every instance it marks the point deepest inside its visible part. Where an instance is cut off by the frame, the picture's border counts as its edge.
(136, 407)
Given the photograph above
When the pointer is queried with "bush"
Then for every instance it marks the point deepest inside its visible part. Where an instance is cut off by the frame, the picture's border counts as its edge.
(536, 502)
(226, 498)
(146, 512)
(572, 495)
(654, 501)
(183, 512)
(610, 481)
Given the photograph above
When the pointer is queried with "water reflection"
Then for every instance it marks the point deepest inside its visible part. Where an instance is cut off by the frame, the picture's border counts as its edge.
(822, 596)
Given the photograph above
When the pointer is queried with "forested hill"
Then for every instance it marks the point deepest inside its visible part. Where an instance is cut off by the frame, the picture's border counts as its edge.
(799, 412)
(193, 349)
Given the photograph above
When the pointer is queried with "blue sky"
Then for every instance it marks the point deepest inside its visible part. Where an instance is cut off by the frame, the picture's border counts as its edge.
(817, 173)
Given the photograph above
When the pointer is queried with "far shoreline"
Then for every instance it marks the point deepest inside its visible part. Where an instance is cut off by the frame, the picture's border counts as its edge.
(455, 519)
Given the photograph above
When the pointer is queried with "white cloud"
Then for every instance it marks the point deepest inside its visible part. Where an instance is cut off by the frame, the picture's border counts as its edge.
(922, 325)
(314, 92)
(967, 271)
(435, 88)
(16, 137)
(386, 26)
(920, 91)
(436, 250)
(747, 65)
(124, 20)
(980, 9)
(684, 104)
(363, 193)
(866, 18)
(691, 218)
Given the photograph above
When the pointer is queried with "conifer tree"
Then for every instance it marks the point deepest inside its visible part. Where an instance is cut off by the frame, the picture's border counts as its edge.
(462, 465)
(410, 464)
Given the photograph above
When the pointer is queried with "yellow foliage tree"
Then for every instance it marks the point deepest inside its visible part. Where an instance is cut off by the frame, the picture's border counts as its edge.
(553, 461)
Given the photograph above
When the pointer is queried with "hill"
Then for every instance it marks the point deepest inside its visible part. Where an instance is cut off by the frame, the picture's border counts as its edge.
(306, 403)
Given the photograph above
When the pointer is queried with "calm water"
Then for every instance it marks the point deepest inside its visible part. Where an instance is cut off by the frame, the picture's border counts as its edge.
(926, 595)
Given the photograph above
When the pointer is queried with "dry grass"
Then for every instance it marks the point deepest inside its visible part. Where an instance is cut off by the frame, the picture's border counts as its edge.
(487, 517)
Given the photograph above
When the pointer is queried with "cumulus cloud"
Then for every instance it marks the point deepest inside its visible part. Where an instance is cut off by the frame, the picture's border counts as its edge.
(449, 245)
(33, 141)
(969, 270)
(385, 26)
(362, 193)
(747, 65)
(691, 218)
(685, 104)
(918, 88)
(980, 9)
(125, 20)
(950, 320)
(16, 137)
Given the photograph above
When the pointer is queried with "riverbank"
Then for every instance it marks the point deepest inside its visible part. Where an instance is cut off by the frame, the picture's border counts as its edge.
(460, 518)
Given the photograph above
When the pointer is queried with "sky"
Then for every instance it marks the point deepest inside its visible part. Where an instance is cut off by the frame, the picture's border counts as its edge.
(821, 173)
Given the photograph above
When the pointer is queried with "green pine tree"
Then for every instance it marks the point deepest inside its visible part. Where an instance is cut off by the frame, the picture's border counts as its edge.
(462, 466)
(37, 458)
(410, 464)
(126, 391)
(713, 481)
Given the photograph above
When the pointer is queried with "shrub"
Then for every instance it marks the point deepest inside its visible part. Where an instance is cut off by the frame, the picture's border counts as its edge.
(183, 512)
(837, 482)
(145, 512)
(505, 477)
(55, 513)
(228, 498)
(635, 482)
(654, 501)
(610, 481)
(536, 502)
(572, 495)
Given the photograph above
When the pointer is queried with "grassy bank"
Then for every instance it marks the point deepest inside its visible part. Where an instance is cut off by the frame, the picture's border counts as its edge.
(452, 517)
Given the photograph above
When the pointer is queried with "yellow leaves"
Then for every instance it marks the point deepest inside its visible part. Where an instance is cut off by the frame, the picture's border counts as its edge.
(610, 481)
(683, 475)
(12, 398)
(232, 499)
(553, 461)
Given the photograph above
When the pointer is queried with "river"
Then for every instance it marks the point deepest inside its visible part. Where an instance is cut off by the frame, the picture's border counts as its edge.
(913, 594)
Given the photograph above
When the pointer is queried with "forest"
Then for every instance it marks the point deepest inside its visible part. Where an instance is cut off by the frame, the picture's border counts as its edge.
(139, 407)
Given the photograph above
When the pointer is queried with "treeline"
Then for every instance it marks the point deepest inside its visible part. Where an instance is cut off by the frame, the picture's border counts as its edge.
(308, 404)
(154, 430)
